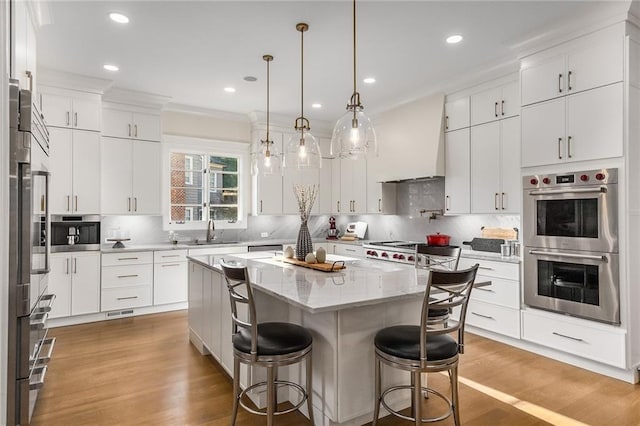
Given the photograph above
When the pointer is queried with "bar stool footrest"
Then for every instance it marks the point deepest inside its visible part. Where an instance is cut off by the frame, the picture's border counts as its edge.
(297, 387)
(427, 391)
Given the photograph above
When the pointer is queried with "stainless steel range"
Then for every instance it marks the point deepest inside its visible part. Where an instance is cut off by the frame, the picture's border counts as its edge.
(392, 251)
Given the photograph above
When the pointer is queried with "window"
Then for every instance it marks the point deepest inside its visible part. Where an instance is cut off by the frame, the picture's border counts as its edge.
(204, 180)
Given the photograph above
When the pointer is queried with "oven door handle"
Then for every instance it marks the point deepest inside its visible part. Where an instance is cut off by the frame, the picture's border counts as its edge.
(602, 258)
(599, 190)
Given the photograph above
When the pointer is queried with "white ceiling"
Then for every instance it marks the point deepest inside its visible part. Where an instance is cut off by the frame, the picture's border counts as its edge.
(190, 50)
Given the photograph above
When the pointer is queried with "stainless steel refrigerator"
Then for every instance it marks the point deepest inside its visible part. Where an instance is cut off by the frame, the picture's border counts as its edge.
(29, 346)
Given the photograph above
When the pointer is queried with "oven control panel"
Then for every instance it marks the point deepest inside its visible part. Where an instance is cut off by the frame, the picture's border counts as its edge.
(574, 179)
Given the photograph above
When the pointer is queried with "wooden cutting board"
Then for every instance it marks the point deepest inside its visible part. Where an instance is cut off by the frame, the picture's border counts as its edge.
(501, 233)
(324, 267)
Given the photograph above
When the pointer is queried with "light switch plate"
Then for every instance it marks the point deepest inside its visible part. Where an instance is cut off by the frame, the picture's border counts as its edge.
(264, 234)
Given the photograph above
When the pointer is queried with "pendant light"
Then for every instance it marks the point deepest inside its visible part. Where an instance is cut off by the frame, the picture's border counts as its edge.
(266, 160)
(353, 136)
(303, 150)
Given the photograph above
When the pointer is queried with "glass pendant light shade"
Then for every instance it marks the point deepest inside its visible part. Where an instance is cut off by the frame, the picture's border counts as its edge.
(354, 137)
(302, 152)
(267, 160)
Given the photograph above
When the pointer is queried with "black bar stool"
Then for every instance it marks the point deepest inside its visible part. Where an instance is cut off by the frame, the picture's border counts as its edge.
(441, 258)
(269, 344)
(426, 349)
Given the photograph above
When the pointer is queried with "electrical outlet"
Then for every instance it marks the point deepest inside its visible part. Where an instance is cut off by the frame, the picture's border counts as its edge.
(264, 234)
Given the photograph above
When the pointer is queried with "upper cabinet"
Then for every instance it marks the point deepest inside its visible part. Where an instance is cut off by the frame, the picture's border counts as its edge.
(23, 52)
(582, 64)
(267, 189)
(457, 180)
(122, 121)
(456, 114)
(495, 104)
(71, 109)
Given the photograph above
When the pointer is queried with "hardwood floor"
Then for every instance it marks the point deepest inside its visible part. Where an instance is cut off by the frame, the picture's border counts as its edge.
(142, 370)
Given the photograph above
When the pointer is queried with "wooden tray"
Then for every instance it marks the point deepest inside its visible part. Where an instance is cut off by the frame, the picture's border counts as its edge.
(324, 267)
(504, 233)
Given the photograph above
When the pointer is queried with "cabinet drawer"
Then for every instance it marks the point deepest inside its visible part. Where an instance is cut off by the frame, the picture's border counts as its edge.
(132, 258)
(601, 343)
(217, 250)
(490, 268)
(127, 275)
(170, 256)
(494, 318)
(170, 283)
(501, 292)
(125, 297)
(348, 250)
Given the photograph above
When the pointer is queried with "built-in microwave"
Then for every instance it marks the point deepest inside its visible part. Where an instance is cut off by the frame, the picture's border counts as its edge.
(75, 233)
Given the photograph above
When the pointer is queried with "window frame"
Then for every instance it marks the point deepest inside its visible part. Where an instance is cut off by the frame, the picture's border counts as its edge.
(208, 147)
(188, 175)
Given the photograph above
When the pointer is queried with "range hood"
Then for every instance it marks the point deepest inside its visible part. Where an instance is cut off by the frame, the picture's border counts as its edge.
(410, 142)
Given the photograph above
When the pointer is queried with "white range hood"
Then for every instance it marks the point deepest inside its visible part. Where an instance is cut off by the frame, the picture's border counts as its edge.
(410, 141)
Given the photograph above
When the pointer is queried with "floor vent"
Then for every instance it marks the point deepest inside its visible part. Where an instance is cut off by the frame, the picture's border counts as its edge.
(126, 312)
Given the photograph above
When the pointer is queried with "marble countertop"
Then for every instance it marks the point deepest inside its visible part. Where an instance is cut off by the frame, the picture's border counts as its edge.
(486, 255)
(363, 282)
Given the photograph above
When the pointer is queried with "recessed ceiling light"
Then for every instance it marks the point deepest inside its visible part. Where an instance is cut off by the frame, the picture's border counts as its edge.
(316, 105)
(250, 78)
(369, 80)
(119, 18)
(110, 67)
(454, 39)
(229, 89)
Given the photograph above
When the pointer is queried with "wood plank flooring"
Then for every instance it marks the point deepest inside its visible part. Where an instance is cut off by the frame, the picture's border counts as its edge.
(143, 371)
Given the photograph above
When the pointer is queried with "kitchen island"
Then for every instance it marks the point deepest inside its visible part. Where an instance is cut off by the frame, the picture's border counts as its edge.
(343, 309)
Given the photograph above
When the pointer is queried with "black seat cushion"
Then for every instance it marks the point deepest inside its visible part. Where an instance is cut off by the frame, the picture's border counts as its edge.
(403, 341)
(433, 313)
(274, 338)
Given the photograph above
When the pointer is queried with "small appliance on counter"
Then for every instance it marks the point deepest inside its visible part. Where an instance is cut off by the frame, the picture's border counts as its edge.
(354, 231)
(332, 233)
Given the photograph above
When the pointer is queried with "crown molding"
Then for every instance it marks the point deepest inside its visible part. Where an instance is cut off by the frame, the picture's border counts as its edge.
(65, 80)
(214, 113)
(135, 98)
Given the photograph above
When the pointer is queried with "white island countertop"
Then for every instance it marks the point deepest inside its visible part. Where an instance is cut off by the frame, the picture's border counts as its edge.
(362, 282)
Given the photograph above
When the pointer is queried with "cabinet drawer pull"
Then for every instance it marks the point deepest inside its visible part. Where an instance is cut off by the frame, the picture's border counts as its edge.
(495, 201)
(127, 298)
(170, 255)
(485, 268)
(338, 206)
(128, 276)
(129, 130)
(379, 205)
(127, 258)
(68, 202)
(76, 199)
(128, 204)
(575, 339)
(68, 119)
(482, 316)
(67, 271)
(351, 250)
(75, 265)
(446, 203)
(502, 107)
(569, 147)
(559, 83)
(569, 88)
(446, 122)
(135, 204)
(165, 265)
(488, 290)
(135, 131)
(75, 119)
(559, 148)
(502, 201)
(495, 109)
(260, 206)
(30, 77)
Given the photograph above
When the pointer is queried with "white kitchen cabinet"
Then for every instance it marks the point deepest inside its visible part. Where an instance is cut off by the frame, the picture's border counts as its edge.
(457, 172)
(582, 64)
(75, 280)
(325, 198)
(130, 175)
(267, 193)
(120, 122)
(71, 109)
(170, 277)
(584, 126)
(75, 171)
(495, 104)
(456, 114)
(196, 300)
(353, 186)
(351, 250)
(127, 280)
(495, 176)
(24, 46)
(381, 197)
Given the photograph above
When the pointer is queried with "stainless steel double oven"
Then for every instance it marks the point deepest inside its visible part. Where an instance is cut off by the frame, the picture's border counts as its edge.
(570, 231)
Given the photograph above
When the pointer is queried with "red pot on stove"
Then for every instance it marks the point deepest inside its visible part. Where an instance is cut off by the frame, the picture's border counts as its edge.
(438, 239)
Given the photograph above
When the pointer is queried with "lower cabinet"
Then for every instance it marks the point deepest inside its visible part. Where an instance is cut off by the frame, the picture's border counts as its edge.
(495, 307)
(598, 342)
(169, 277)
(127, 280)
(346, 249)
(75, 280)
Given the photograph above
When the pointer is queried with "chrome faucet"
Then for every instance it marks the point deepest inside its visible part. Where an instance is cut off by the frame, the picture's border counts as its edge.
(210, 234)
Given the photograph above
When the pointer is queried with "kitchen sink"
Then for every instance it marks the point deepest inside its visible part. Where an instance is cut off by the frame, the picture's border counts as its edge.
(210, 243)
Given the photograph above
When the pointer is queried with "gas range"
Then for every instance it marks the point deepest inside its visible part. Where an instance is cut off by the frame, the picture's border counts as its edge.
(392, 251)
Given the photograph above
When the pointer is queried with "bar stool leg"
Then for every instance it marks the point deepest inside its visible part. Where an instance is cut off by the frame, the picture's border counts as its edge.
(270, 396)
(236, 389)
(309, 366)
(378, 385)
(453, 375)
(417, 397)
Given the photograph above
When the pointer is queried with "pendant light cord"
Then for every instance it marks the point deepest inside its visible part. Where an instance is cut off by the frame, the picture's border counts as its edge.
(268, 59)
(302, 82)
(354, 47)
